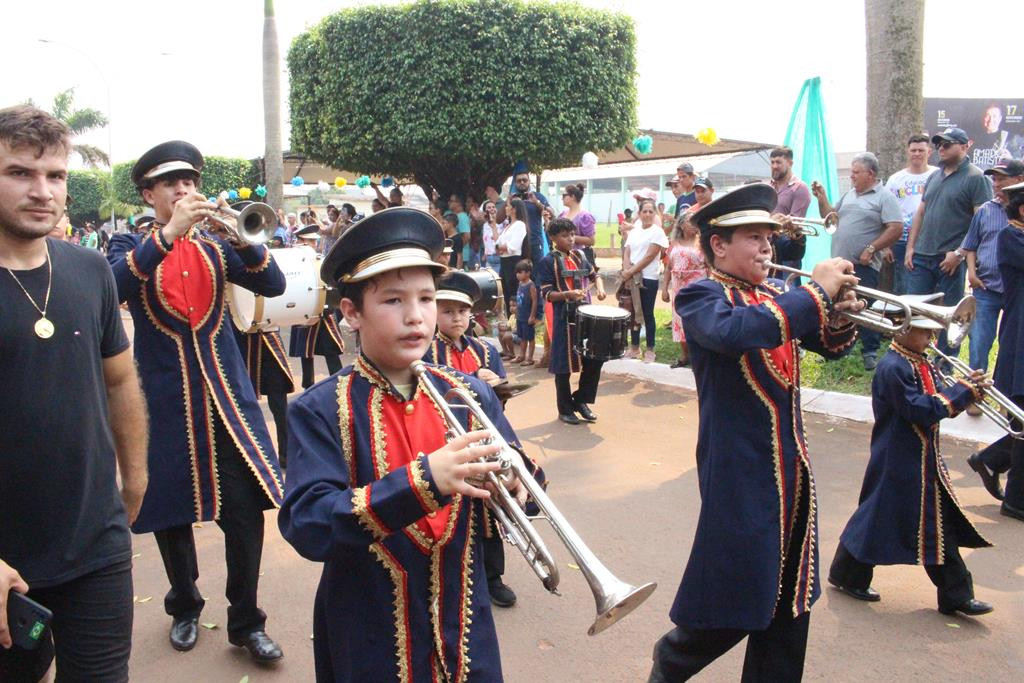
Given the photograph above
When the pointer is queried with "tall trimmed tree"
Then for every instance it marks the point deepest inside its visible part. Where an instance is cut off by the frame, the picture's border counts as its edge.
(273, 162)
(450, 93)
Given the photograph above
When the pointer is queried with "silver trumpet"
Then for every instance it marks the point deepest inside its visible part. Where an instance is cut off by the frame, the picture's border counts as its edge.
(253, 225)
(615, 598)
(872, 320)
(808, 227)
(993, 402)
(956, 319)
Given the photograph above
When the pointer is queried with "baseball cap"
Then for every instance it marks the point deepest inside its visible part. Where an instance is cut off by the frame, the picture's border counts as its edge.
(645, 193)
(685, 167)
(1007, 167)
(950, 135)
(675, 181)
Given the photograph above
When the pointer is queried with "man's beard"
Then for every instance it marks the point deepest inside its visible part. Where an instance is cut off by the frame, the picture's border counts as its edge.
(20, 231)
(779, 175)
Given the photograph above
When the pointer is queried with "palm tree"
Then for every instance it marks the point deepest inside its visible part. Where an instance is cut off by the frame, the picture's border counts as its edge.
(80, 121)
(273, 162)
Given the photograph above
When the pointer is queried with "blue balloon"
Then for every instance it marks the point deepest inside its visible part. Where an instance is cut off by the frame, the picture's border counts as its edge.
(387, 181)
(297, 181)
(213, 200)
(233, 195)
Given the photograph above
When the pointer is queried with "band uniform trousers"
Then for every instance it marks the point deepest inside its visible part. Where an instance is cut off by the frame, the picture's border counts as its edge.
(774, 655)
(1007, 456)
(333, 365)
(241, 520)
(590, 376)
(953, 583)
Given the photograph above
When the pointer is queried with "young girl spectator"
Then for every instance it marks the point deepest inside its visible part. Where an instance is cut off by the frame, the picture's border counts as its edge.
(685, 265)
(527, 309)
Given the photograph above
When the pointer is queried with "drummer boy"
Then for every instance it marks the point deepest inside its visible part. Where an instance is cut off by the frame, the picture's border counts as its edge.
(374, 490)
(563, 276)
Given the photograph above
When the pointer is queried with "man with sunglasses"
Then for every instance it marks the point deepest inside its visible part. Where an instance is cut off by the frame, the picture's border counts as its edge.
(934, 260)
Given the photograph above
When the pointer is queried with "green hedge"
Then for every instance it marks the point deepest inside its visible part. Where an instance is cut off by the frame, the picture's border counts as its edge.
(87, 189)
(453, 92)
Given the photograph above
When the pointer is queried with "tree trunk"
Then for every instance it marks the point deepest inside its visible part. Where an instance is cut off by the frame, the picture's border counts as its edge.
(895, 70)
(273, 161)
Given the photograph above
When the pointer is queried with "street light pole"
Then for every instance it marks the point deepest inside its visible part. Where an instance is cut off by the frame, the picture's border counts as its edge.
(110, 119)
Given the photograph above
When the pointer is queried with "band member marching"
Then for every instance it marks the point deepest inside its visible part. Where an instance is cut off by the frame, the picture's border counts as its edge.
(560, 275)
(321, 336)
(209, 447)
(375, 492)
(908, 512)
(752, 568)
(452, 347)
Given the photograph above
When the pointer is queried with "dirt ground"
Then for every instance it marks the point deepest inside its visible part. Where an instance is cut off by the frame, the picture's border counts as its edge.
(628, 484)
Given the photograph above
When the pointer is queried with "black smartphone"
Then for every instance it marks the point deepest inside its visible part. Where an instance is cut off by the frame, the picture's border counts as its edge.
(26, 620)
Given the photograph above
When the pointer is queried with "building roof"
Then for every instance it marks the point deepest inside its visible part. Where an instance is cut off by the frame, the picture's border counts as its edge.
(672, 145)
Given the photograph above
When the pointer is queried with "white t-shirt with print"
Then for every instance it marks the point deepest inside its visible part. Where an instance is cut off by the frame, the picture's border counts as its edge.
(908, 189)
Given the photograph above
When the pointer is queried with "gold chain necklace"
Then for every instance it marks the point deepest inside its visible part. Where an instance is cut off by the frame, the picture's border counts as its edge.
(43, 327)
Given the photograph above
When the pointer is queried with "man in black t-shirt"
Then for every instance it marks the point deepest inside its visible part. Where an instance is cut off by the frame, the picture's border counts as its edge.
(70, 409)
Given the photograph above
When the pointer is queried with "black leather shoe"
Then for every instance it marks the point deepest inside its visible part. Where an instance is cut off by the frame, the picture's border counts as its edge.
(586, 413)
(1010, 511)
(868, 594)
(568, 418)
(971, 608)
(989, 478)
(501, 595)
(260, 646)
(184, 634)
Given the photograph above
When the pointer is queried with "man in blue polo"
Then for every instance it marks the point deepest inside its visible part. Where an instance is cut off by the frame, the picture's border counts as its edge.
(535, 203)
(951, 197)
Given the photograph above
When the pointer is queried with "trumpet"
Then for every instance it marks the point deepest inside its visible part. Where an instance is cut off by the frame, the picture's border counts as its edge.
(993, 402)
(808, 227)
(872, 320)
(252, 225)
(614, 598)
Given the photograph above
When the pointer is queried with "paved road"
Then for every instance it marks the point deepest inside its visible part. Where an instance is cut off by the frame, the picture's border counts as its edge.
(628, 485)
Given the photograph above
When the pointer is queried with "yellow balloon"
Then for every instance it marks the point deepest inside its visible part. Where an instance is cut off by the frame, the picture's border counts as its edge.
(707, 136)
(244, 192)
(340, 182)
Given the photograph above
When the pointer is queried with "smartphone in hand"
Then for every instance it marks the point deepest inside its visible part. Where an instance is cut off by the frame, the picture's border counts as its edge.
(27, 620)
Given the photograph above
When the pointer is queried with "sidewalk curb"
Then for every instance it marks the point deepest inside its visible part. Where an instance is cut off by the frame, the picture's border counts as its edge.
(830, 403)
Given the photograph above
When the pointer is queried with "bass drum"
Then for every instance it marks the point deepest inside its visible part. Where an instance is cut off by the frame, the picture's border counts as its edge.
(304, 296)
(601, 332)
(491, 291)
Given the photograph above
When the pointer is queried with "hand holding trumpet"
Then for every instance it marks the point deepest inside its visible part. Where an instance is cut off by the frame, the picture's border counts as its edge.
(189, 210)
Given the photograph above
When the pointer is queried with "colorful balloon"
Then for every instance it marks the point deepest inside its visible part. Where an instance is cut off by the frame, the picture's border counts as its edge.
(233, 195)
(589, 160)
(644, 144)
(387, 181)
(363, 181)
(297, 181)
(244, 192)
(340, 182)
(707, 136)
(261, 191)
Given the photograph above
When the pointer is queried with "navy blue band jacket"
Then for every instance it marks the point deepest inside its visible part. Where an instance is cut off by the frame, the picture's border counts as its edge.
(403, 594)
(758, 505)
(899, 518)
(191, 368)
(558, 272)
(474, 354)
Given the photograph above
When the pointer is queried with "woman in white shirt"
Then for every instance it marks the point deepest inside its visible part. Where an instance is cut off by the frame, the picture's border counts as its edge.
(511, 244)
(491, 231)
(643, 249)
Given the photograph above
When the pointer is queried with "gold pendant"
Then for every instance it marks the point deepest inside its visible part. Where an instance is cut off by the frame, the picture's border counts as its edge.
(44, 328)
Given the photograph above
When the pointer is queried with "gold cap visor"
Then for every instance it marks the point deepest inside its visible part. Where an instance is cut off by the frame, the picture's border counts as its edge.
(406, 257)
(450, 295)
(738, 218)
(170, 167)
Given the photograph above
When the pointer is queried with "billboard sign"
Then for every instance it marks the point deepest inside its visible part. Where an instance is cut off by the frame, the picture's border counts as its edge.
(994, 126)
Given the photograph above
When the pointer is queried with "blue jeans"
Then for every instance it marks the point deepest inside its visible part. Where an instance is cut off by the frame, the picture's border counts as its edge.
(899, 271)
(494, 262)
(983, 331)
(869, 339)
(926, 278)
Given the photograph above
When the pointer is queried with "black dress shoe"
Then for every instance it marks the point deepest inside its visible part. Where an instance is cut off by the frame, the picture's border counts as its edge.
(586, 413)
(568, 418)
(184, 634)
(868, 594)
(501, 595)
(260, 646)
(1010, 511)
(971, 608)
(989, 478)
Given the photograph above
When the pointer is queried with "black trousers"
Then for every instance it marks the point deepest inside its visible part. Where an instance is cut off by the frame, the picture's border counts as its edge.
(1007, 456)
(590, 376)
(241, 520)
(952, 580)
(494, 556)
(333, 365)
(91, 631)
(648, 297)
(278, 404)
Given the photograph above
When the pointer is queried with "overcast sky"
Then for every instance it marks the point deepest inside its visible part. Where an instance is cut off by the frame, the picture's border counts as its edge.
(192, 69)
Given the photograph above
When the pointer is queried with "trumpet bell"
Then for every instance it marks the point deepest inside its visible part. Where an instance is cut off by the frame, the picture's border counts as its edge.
(613, 606)
(255, 222)
(956, 319)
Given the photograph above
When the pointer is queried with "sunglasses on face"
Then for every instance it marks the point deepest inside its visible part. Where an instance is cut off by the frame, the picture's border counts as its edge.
(946, 145)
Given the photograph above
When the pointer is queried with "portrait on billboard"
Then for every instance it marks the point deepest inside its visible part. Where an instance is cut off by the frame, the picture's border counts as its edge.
(995, 127)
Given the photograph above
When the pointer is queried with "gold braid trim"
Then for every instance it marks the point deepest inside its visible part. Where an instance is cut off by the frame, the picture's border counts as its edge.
(423, 491)
(399, 582)
(924, 491)
(262, 265)
(726, 280)
(378, 438)
(218, 281)
(363, 512)
(435, 609)
(466, 618)
(345, 425)
(129, 259)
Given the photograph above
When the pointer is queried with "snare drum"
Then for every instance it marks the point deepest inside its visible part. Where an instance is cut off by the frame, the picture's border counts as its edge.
(601, 332)
(490, 290)
(303, 299)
